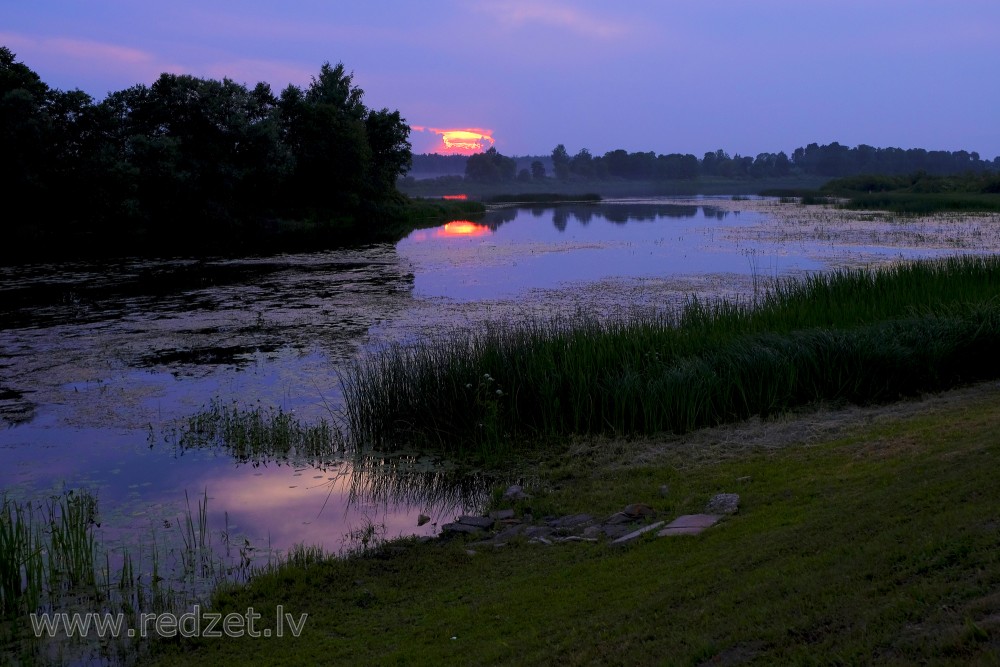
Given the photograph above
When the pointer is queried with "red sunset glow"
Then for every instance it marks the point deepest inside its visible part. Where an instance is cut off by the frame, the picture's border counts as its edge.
(462, 228)
(459, 141)
(455, 197)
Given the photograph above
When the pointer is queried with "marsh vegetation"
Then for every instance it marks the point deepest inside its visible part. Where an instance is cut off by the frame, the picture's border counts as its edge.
(849, 336)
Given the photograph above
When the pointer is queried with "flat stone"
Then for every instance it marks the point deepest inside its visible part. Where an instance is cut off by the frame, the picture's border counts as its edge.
(723, 503)
(538, 531)
(502, 515)
(508, 533)
(478, 521)
(635, 534)
(619, 517)
(571, 521)
(689, 524)
(460, 528)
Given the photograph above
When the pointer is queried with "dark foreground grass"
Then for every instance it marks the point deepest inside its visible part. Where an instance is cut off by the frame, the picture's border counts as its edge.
(878, 545)
(853, 336)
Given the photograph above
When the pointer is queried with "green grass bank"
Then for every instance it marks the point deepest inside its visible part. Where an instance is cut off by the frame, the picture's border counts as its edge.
(865, 536)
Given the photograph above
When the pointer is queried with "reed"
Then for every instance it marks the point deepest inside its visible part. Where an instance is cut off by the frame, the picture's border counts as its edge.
(860, 336)
(257, 434)
(50, 561)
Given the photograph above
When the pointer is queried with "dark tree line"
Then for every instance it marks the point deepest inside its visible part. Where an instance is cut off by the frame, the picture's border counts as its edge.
(188, 158)
(829, 161)
(832, 160)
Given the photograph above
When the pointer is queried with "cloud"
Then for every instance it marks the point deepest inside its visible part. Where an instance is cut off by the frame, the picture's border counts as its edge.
(458, 141)
(556, 15)
(78, 48)
(86, 57)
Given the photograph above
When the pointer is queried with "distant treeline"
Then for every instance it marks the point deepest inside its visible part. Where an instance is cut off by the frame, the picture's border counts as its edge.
(831, 161)
(189, 161)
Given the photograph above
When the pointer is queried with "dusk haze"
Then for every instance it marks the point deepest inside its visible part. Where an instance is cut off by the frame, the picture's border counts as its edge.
(686, 76)
(499, 332)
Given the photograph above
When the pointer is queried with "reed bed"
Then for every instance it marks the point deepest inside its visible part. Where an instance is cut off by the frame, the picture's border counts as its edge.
(50, 561)
(257, 434)
(860, 336)
(46, 551)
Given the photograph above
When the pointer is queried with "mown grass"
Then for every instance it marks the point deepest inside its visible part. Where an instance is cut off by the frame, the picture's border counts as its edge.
(878, 545)
(853, 336)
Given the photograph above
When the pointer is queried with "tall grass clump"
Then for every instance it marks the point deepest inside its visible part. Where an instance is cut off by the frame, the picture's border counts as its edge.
(46, 551)
(859, 336)
(50, 561)
(257, 434)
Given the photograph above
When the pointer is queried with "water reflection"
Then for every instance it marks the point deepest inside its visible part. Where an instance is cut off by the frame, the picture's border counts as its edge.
(95, 355)
(623, 213)
(423, 481)
(462, 228)
(585, 242)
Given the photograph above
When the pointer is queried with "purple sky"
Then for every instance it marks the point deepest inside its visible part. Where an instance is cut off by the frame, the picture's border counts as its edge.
(683, 76)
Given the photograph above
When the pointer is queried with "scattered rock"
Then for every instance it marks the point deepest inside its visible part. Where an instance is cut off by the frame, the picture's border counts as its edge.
(514, 493)
(511, 532)
(638, 510)
(689, 524)
(664, 490)
(422, 519)
(576, 538)
(482, 522)
(617, 518)
(571, 521)
(723, 503)
(460, 528)
(497, 529)
(635, 534)
(538, 531)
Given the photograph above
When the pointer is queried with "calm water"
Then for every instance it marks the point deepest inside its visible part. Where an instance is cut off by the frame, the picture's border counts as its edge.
(99, 360)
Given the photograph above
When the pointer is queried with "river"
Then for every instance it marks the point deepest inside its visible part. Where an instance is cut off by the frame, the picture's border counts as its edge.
(101, 361)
